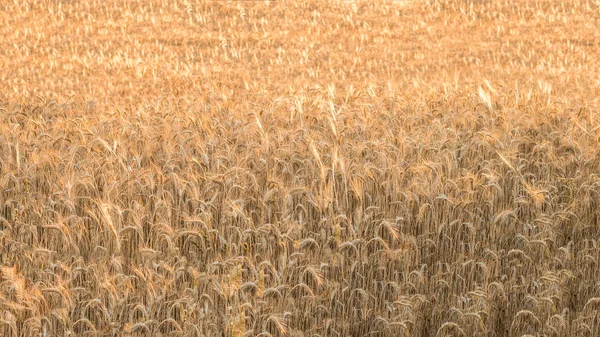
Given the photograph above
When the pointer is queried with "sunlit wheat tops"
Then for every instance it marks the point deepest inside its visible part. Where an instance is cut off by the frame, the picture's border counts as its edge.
(337, 168)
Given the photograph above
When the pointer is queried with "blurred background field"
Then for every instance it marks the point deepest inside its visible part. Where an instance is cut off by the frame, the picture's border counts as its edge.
(125, 51)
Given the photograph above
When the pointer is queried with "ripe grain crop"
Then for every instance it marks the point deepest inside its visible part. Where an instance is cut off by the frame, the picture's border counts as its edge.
(311, 168)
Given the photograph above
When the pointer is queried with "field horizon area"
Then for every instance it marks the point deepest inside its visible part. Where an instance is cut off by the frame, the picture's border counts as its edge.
(299, 168)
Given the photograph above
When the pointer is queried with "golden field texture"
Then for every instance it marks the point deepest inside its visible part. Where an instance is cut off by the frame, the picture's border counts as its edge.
(311, 168)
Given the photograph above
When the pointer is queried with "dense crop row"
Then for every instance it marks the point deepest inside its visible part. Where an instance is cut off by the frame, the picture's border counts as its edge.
(299, 169)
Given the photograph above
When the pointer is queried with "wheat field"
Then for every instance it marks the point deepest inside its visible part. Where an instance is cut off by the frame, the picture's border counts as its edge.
(299, 168)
